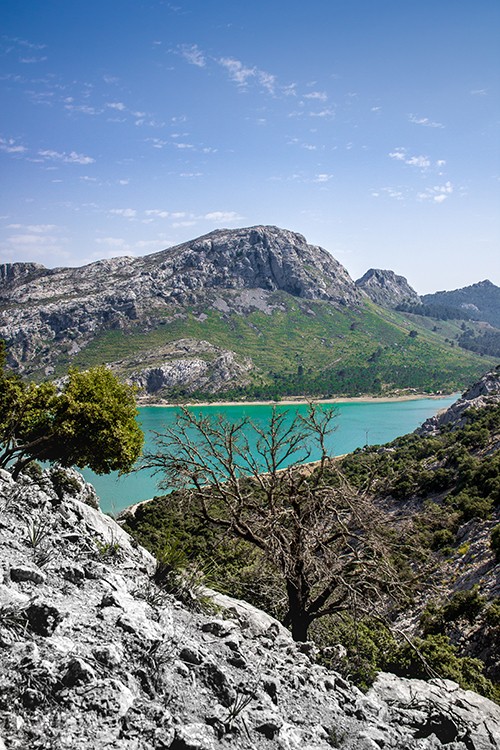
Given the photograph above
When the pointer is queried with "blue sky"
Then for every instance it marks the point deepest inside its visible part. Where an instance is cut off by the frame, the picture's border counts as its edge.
(370, 126)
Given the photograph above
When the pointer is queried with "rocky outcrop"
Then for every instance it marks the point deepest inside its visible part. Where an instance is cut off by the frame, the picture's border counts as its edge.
(49, 315)
(486, 391)
(387, 289)
(93, 654)
(191, 366)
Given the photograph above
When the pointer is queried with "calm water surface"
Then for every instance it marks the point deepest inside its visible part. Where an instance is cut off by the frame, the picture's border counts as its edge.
(356, 425)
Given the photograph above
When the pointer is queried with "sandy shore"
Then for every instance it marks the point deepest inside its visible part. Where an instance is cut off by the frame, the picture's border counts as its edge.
(299, 400)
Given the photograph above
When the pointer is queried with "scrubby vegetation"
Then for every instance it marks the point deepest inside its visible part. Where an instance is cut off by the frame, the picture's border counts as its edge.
(305, 348)
(429, 487)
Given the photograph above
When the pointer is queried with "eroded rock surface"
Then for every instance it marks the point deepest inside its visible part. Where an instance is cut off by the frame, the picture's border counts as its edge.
(93, 655)
(387, 288)
(486, 391)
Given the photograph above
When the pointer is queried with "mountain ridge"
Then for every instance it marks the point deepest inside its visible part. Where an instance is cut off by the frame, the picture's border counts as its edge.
(284, 314)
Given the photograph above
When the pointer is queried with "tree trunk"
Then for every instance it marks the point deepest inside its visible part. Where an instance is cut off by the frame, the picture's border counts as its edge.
(297, 618)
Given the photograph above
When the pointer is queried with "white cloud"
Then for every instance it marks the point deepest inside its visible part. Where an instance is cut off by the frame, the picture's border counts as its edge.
(421, 162)
(180, 224)
(157, 142)
(41, 228)
(127, 213)
(237, 71)
(222, 216)
(157, 212)
(120, 106)
(322, 177)
(241, 74)
(9, 146)
(437, 193)
(84, 109)
(183, 145)
(425, 122)
(193, 55)
(321, 96)
(479, 92)
(323, 113)
(399, 154)
(31, 60)
(72, 158)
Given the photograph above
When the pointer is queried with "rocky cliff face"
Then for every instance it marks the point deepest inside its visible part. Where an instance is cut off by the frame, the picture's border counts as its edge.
(93, 654)
(483, 393)
(52, 314)
(387, 289)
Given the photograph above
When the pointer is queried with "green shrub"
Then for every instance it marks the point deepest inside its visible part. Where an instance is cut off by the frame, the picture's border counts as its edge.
(434, 655)
(471, 505)
(442, 538)
(495, 541)
(464, 604)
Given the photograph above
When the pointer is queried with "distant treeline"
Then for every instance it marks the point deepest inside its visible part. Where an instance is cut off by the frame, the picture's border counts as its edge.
(487, 342)
(440, 312)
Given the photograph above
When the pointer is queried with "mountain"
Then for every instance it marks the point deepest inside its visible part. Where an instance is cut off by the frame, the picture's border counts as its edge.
(99, 651)
(386, 288)
(481, 301)
(246, 312)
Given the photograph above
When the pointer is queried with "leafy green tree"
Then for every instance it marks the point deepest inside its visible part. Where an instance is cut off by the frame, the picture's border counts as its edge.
(90, 422)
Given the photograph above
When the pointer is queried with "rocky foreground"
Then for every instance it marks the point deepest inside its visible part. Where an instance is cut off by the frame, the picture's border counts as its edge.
(94, 654)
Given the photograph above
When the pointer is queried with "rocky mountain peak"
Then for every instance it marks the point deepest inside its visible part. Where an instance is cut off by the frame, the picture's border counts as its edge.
(387, 288)
(50, 314)
(260, 257)
(11, 273)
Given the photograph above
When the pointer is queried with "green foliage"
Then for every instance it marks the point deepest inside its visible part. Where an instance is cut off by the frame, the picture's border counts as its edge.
(303, 348)
(435, 656)
(91, 422)
(465, 605)
(367, 643)
(495, 541)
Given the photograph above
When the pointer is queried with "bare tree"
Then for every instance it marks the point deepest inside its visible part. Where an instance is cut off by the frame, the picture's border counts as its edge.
(328, 543)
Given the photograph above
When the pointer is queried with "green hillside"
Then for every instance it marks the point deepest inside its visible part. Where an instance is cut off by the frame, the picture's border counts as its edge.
(308, 348)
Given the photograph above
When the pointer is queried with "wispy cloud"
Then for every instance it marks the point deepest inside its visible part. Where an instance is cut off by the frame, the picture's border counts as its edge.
(193, 55)
(321, 96)
(157, 212)
(222, 216)
(425, 122)
(32, 60)
(241, 74)
(437, 193)
(9, 146)
(120, 106)
(421, 162)
(126, 213)
(72, 158)
(323, 177)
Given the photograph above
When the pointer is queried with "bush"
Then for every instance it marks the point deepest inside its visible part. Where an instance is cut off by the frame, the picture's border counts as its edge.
(434, 655)
(495, 541)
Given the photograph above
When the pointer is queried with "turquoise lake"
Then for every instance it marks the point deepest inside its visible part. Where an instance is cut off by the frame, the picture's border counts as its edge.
(357, 424)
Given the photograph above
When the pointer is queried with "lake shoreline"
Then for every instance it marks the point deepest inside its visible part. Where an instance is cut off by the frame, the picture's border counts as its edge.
(302, 400)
